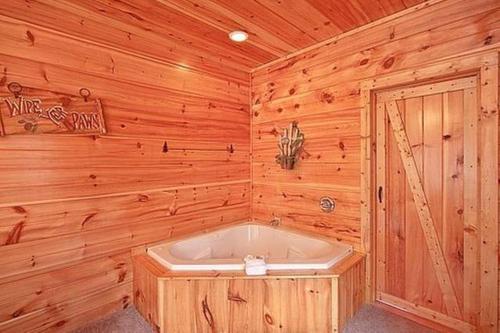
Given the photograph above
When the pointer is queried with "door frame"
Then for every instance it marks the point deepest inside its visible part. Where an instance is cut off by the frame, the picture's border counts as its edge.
(485, 66)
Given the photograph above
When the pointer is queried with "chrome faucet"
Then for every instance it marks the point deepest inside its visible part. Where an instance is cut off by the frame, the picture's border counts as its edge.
(275, 221)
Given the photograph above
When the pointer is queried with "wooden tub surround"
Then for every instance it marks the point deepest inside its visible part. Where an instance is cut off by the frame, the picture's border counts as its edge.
(281, 301)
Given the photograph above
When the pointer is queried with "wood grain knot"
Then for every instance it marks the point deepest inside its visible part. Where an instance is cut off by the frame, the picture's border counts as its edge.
(3, 80)
(322, 225)
(207, 313)
(125, 301)
(142, 198)
(460, 256)
(121, 277)
(327, 97)
(269, 319)
(389, 62)
(65, 101)
(287, 65)
(88, 218)
(15, 234)
(19, 209)
(172, 210)
(17, 313)
(236, 298)
(31, 37)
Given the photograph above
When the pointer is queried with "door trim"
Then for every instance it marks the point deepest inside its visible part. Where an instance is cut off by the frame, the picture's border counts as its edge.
(485, 66)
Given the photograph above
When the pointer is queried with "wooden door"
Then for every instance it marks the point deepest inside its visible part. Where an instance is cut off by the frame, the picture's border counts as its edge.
(427, 200)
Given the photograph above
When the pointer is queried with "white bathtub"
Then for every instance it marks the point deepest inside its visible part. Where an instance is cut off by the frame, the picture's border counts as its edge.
(224, 250)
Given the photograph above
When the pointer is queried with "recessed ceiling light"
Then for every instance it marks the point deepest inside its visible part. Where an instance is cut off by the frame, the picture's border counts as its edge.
(238, 36)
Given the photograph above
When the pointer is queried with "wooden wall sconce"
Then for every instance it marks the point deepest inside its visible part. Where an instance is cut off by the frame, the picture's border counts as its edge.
(290, 144)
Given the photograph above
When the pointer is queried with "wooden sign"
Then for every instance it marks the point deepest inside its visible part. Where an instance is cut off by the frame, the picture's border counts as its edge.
(34, 111)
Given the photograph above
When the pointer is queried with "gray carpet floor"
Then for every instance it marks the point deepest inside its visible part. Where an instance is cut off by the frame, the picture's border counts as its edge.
(124, 321)
(375, 320)
(369, 319)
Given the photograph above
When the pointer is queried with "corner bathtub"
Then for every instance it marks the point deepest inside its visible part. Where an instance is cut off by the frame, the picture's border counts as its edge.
(225, 249)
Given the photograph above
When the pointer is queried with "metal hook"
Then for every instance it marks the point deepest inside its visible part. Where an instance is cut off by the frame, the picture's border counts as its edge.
(15, 88)
(85, 93)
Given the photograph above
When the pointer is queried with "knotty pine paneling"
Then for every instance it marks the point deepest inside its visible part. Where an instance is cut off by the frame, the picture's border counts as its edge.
(297, 205)
(499, 209)
(320, 88)
(85, 166)
(45, 253)
(37, 221)
(142, 113)
(73, 312)
(400, 30)
(34, 44)
(72, 207)
(136, 30)
(194, 32)
(37, 292)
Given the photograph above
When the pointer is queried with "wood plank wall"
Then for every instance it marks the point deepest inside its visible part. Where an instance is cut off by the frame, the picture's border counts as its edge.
(72, 207)
(320, 88)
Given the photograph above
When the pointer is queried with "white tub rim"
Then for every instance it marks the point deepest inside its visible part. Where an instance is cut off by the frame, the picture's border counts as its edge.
(235, 264)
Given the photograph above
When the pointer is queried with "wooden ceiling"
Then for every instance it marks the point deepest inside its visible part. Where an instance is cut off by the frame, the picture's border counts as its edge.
(194, 32)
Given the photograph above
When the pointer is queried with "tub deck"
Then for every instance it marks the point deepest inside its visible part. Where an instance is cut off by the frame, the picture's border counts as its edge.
(281, 301)
(223, 250)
